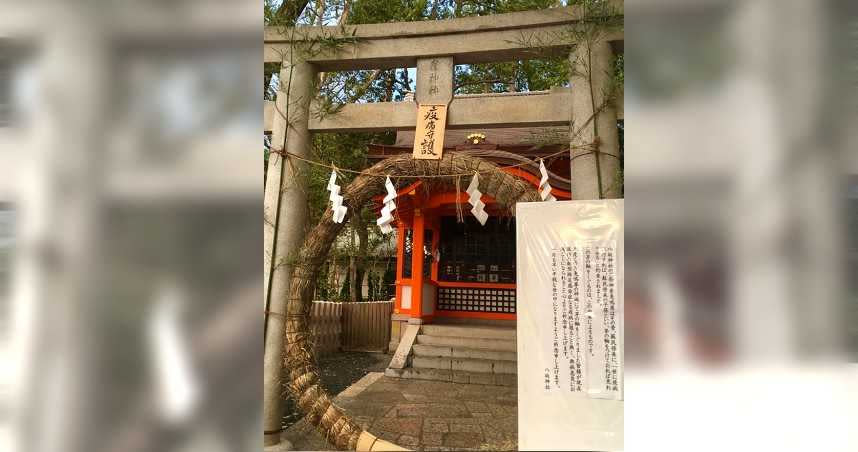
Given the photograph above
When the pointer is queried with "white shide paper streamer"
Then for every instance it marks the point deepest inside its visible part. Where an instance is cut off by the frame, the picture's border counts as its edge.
(336, 199)
(544, 186)
(386, 217)
(475, 195)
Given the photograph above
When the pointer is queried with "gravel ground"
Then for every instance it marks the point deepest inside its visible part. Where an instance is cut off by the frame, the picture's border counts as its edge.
(338, 372)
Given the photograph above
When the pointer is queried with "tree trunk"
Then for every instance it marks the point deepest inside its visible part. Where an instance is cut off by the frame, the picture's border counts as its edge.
(344, 16)
(389, 88)
(289, 11)
(353, 291)
(360, 267)
(320, 21)
(332, 278)
(320, 12)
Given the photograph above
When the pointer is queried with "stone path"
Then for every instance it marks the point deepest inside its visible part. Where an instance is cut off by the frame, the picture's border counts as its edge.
(425, 415)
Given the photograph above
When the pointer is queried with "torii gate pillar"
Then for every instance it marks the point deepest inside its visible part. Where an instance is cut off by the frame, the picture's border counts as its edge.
(285, 211)
(594, 128)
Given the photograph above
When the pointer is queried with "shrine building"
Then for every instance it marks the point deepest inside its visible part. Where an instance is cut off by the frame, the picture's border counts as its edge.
(450, 269)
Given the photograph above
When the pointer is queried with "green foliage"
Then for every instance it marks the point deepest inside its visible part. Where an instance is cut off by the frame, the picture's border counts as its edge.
(344, 292)
(380, 11)
(526, 75)
(346, 151)
(381, 283)
(620, 70)
(486, 7)
(373, 281)
(282, 12)
(323, 291)
(340, 88)
(388, 281)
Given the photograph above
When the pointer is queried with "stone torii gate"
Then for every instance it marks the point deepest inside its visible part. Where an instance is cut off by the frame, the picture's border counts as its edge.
(434, 47)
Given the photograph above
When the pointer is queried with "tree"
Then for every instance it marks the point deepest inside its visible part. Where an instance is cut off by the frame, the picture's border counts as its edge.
(349, 151)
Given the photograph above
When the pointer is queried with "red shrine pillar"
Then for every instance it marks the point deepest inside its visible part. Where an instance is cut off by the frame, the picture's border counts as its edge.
(417, 268)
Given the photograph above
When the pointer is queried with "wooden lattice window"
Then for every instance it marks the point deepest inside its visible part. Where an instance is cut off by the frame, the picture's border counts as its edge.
(476, 300)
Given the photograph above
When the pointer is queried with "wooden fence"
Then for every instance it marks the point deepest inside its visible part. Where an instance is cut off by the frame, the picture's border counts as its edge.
(326, 326)
(361, 326)
(366, 326)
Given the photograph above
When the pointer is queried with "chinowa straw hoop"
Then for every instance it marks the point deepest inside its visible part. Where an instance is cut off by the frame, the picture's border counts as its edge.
(301, 371)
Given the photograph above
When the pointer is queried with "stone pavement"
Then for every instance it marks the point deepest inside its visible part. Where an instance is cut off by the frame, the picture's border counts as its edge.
(424, 415)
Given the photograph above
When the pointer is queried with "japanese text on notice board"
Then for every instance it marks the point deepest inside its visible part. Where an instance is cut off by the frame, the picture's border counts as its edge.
(585, 335)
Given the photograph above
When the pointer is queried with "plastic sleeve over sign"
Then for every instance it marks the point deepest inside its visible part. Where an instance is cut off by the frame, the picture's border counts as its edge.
(570, 324)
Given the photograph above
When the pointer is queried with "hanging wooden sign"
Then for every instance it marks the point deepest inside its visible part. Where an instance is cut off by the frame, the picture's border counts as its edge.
(429, 136)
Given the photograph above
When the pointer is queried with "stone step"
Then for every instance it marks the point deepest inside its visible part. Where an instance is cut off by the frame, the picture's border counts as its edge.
(461, 352)
(453, 376)
(467, 342)
(464, 364)
(486, 332)
(474, 321)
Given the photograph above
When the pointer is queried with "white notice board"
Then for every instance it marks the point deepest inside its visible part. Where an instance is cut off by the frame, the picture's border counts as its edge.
(569, 304)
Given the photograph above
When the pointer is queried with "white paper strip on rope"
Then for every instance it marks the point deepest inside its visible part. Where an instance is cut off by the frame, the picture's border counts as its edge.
(474, 198)
(386, 217)
(336, 199)
(544, 186)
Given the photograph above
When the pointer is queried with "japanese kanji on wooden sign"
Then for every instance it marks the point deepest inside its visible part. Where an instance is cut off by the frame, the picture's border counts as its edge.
(429, 136)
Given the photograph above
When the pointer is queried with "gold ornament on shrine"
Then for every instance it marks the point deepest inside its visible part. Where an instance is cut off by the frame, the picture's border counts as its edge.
(476, 138)
(429, 135)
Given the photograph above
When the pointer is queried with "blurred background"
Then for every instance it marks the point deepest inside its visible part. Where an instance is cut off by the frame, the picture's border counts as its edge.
(741, 165)
(130, 225)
